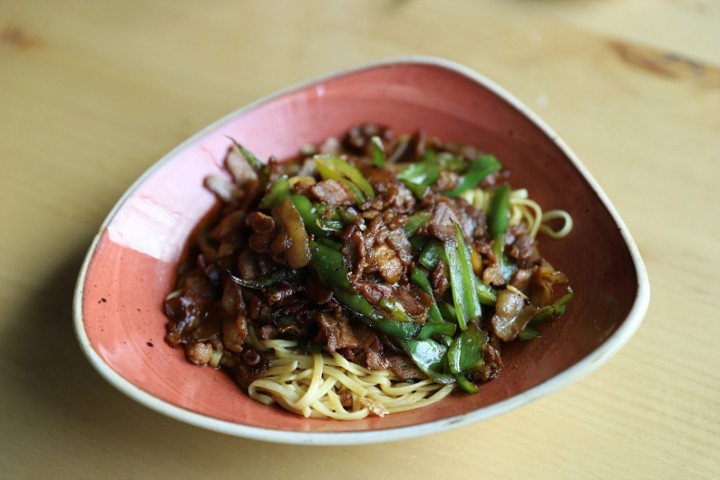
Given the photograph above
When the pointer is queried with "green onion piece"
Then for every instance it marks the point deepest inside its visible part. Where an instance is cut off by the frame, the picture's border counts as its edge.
(378, 152)
(478, 170)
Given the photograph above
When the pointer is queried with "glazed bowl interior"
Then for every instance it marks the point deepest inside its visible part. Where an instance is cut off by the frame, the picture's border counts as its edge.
(132, 263)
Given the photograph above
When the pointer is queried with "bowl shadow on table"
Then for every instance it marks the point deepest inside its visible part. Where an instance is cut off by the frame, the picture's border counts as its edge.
(77, 410)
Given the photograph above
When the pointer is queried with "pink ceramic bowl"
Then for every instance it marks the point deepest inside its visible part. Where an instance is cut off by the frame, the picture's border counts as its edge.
(130, 267)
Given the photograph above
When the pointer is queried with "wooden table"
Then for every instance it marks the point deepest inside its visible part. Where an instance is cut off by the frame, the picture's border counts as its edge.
(92, 93)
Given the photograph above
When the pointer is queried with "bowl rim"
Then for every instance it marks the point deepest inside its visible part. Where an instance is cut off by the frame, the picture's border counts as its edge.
(563, 379)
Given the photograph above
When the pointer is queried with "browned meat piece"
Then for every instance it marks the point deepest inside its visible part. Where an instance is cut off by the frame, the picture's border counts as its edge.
(415, 302)
(234, 333)
(316, 292)
(333, 193)
(387, 262)
(238, 166)
(391, 193)
(404, 368)
(336, 331)
(442, 222)
(260, 222)
(369, 351)
(250, 366)
(374, 292)
(524, 249)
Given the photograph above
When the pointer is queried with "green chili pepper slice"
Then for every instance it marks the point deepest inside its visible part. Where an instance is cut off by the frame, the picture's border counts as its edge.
(528, 333)
(378, 152)
(336, 168)
(415, 223)
(309, 214)
(555, 310)
(499, 215)
(430, 357)
(278, 191)
(462, 280)
(417, 177)
(478, 170)
(486, 294)
(419, 279)
(431, 255)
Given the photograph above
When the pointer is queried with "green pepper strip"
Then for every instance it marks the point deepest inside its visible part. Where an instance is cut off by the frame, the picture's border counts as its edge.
(415, 223)
(498, 220)
(462, 280)
(499, 215)
(528, 333)
(443, 329)
(430, 357)
(419, 279)
(378, 152)
(480, 168)
(418, 243)
(417, 177)
(334, 167)
(258, 165)
(486, 294)
(330, 243)
(465, 354)
(395, 310)
(280, 275)
(431, 255)
(277, 192)
(447, 311)
(555, 310)
(309, 214)
(466, 384)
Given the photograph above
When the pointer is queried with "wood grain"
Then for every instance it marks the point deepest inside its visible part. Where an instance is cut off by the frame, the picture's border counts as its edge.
(92, 93)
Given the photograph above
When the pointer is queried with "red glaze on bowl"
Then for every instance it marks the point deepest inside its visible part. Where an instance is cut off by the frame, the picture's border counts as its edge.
(130, 267)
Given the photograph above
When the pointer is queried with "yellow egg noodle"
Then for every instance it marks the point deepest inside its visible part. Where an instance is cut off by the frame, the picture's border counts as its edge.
(311, 385)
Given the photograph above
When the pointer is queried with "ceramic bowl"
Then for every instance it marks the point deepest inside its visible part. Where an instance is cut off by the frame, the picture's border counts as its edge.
(130, 267)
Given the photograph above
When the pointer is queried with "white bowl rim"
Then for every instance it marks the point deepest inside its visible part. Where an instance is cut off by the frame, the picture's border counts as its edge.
(563, 379)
